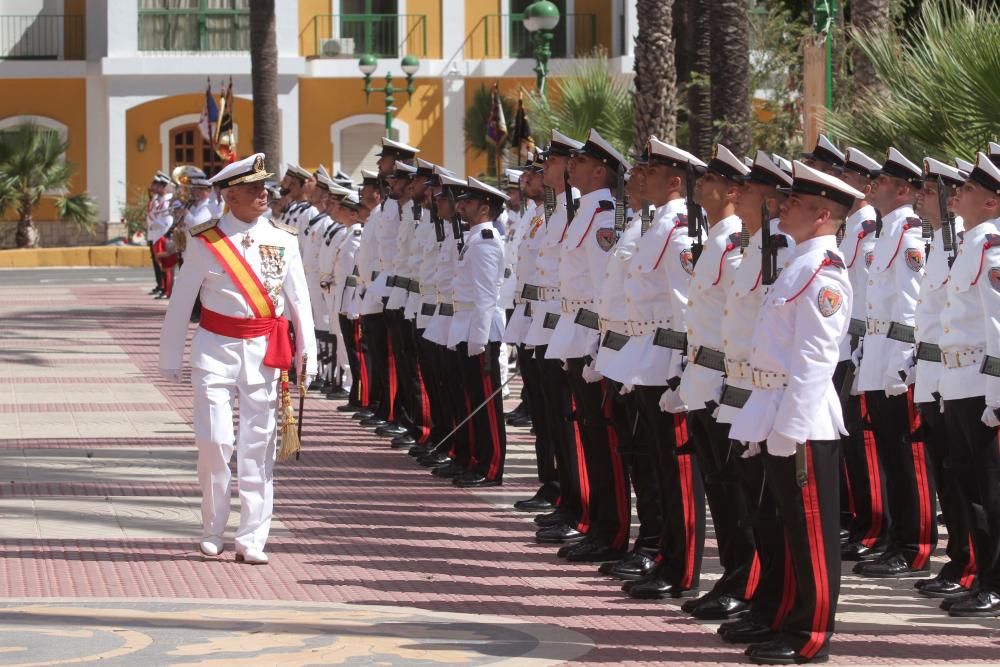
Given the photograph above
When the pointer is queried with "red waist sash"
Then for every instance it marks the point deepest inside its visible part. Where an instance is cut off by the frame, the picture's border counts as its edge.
(275, 329)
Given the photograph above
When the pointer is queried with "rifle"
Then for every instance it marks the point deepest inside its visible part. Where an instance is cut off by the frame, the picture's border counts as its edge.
(694, 212)
(620, 201)
(456, 221)
(646, 218)
(878, 223)
(437, 221)
(769, 245)
(947, 223)
(382, 192)
(570, 202)
(550, 202)
(927, 234)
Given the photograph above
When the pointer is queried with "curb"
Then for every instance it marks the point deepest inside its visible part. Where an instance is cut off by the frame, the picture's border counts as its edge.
(131, 256)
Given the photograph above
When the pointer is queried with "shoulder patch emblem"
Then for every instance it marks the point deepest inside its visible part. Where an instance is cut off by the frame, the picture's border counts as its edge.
(829, 301)
(285, 228)
(203, 227)
(687, 261)
(536, 222)
(995, 278)
(869, 256)
(914, 259)
(605, 238)
(605, 205)
(487, 233)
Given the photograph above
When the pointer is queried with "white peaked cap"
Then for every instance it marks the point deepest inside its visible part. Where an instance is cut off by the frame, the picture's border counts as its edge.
(809, 181)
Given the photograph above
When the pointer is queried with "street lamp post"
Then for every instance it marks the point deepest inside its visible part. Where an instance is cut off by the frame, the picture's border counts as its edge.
(540, 19)
(825, 14)
(368, 64)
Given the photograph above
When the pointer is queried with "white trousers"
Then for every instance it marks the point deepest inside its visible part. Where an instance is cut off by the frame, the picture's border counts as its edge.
(255, 447)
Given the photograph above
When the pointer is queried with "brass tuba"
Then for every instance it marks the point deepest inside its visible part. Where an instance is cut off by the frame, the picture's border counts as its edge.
(182, 175)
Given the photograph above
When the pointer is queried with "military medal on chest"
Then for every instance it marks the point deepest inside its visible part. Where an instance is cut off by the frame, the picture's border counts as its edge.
(272, 268)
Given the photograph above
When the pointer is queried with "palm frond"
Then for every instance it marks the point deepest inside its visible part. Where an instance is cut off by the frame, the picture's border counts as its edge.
(79, 209)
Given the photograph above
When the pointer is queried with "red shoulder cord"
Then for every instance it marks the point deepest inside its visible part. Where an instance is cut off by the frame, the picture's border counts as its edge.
(729, 248)
(824, 263)
(666, 243)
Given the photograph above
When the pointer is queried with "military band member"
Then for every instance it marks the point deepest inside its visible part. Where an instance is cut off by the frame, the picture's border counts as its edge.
(296, 186)
(159, 220)
(249, 274)
(794, 411)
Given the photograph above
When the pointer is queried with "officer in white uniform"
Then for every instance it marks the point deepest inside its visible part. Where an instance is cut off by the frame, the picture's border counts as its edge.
(230, 365)
(794, 411)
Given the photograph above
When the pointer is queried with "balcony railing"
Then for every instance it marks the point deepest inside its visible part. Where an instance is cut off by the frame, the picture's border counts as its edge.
(576, 35)
(42, 37)
(353, 35)
(194, 30)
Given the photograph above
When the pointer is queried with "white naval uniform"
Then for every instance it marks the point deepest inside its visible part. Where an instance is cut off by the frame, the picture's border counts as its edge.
(198, 214)
(706, 301)
(478, 319)
(386, 247)
(224, 369)
(427, 275)
(547, 275)
(857, 248)
(399, 265)
(439, 324)
(532, 231)
(609, 305)
(927, 328)
(311, 236)
(893, 284)
(810, 302)
(424, 244)
(161, 217)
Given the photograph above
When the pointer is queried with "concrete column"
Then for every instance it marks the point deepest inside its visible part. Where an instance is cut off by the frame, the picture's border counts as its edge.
(453, 32)
(123, 28)
(98, 183)
(453, 89)
(286, 26)
(288, 106)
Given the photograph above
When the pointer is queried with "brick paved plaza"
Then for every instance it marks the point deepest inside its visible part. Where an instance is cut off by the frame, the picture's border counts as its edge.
(373, 561)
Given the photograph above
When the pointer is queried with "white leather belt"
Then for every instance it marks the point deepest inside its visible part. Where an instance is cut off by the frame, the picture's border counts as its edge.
(647, 327)
(462, 305)
(570, 306)
(878, 327)
(970, 356)
(441, 298)
(739, 370)
(618, 326)
(549, 294)
(768, 379)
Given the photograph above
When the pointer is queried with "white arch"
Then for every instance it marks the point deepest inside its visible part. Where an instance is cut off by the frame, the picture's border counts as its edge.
(42, 121)
(175, 122)
(401, 128)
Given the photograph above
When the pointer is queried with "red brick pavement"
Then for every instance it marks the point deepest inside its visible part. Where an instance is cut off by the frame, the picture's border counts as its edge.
(368, 527)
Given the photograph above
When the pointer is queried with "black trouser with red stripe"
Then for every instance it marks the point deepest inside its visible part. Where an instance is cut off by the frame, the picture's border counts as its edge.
(908, 476)
(727, 502)
(453, 386)
(412, 384)
(635, 445)
(811, 517)
(373, 328)
(975, 460)
(481, 375)
(157, 270)
(401, 370)
(610, 500)
(543, 423)
(357, 358)
(775, 587)
(682, 496)
(567, 439)
(960, 566)
(435, 383)
(865, 476)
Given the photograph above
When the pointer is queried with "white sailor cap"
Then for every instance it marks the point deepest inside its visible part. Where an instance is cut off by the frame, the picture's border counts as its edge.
(986, 173)
(401, 170)
(560, 144)
(425, 168)
(247, 170)
(860, 163)
(351, 200)
(825, 151)
(324, 181)
(162, 178)
(763, 170)
(747, 161)
(369, 177)
(726, 164)
(321, 170)
(672, 156)
(341, 176)
(200, 182)
(512, 178)
(964, 166)
(476, 189)
(899, 166)
(809, 181)
(994, 151)
(339, 191)
(782, 163)
(298, 172)
(397, 149)
(451, 182)
(934, 169)
(598, 148)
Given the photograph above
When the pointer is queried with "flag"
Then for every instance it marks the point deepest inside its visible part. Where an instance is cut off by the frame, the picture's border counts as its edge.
(209, 114)
(521, 132)
(225, 137)
(496, 126)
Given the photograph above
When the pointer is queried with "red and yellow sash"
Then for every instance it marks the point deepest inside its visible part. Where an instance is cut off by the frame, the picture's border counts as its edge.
(265, 322)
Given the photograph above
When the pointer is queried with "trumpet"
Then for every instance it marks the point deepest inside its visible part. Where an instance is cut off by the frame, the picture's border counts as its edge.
(182, 175)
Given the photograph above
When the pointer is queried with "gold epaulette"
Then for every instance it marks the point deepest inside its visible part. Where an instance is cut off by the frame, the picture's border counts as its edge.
(203, 227)
(294, 231)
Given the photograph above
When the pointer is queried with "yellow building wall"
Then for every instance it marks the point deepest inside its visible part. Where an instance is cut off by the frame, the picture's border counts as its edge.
(311, 31)
(604, 22)
(431, 9)
(308, 29)
(475, 165)
(146, 119)
(482, 29)
(63, 100)
(317, 112)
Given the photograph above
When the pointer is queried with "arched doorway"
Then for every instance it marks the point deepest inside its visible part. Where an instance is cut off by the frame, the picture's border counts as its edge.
(187, 146)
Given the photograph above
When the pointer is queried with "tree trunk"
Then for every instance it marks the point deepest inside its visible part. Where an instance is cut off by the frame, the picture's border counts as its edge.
(869, 16)
(26, 235)
(264, 77)
(655, 74)
(698, 92)
(730, 46)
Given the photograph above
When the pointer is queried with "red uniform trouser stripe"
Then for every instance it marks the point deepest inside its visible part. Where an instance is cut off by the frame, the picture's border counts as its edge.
(847, 484)
(391, 358)
(362, 378)
(491, 414)
(753, 578)
(817, 557)
(168, 281)
(969, 573)
(874, 479)
(924, 491)
(581, 471)
(788, 591)
(621, 490)
(687, 500)
(424, 404)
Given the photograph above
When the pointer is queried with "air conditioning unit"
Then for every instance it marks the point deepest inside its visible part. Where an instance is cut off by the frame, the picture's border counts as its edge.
(338, 47)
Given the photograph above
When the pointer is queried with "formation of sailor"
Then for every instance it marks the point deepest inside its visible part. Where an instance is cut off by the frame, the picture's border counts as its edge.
(808, 349)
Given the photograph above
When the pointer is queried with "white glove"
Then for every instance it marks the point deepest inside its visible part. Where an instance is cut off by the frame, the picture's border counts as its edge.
(910, 371)
(990, 417)
(780, 445)
(895, 387)
(671, 402)
(475, 349)
(172, 374)
(353, 316)
(626, 389)
(753, 449)
(856, 357)
(590, 373)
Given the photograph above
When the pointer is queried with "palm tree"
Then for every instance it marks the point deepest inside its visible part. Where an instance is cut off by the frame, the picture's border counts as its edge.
(655, 74)
(31, 166)
(942, 81)
(699, 108)
(264, 78)
(730, 96)
(868, 16)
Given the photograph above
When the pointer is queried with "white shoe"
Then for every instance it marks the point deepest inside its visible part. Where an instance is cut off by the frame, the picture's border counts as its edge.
(251, 557)
(211, 546)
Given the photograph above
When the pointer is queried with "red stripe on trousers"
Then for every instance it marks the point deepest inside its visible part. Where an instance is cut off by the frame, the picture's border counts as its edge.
(168, 281)
(362, 366)
(851, 507)
(491, 412)
(687, 502)
(923, 487)
(788, 591)
(969, 573)
(753, 578)
(874, 479)
(680, 430)
(425, 408)
(621, 493)
(817, 556)
(392, 378)
(581, 471)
